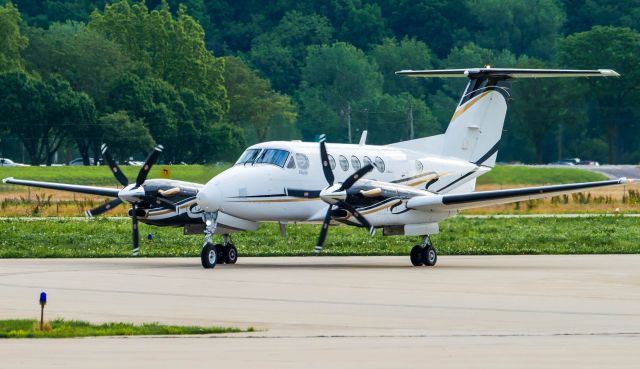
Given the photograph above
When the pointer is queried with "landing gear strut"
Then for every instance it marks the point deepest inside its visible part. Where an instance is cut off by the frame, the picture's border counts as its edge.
(424, 254)
(219, 253)
(209, 254)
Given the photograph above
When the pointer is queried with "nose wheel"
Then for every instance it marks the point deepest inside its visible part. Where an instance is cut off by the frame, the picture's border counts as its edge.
(209, 256)
(424, 254)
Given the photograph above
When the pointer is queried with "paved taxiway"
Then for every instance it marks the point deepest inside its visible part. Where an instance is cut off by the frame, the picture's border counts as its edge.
(320, 312)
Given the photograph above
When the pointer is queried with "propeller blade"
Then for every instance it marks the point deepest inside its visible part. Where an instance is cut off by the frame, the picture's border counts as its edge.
(324, 230)
(134, 229)
(148, 163)
(359, 216)
(113, 166)
(355, 177)
(102, 208)
(326, 166)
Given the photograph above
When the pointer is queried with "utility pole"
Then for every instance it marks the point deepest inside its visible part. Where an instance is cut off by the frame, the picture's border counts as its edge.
(410, 120)
(348, 116)
(560, 141)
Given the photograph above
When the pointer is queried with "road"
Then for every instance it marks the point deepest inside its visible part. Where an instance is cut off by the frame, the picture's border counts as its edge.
(347, 312)
(617, 171)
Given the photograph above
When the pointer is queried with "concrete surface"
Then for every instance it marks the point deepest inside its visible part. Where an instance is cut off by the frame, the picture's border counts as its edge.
(342, 312)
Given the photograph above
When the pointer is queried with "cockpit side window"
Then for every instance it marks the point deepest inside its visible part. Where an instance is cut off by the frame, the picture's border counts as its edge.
(292, 163)
(248, 156)
(273, 156)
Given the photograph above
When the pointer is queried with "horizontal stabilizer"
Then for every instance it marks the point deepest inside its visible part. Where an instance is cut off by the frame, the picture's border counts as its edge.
(508, 73)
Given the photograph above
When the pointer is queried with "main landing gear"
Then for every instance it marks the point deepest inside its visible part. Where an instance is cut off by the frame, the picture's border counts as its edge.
(219, 253)
(424, 254)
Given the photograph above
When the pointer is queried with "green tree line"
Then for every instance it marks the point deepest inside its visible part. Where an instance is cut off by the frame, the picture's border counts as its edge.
(205, 78)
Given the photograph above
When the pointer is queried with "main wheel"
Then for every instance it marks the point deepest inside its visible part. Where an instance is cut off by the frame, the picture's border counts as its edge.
(430, 256)
(230, 254)
(208, 256)
(220, 251)
(416, 255)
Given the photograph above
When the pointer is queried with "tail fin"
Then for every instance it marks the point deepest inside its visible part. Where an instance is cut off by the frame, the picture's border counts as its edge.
(476, 126)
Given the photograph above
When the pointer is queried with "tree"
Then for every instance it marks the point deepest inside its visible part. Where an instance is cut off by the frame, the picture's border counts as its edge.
(280, 53)
(125, 137)
(334, 78)
(11, 41)
(41, 113)
(513, 25)
(392, 56)
(83, 56)
(607, 47)
(172, 49)
(394, 118)
(254, 104)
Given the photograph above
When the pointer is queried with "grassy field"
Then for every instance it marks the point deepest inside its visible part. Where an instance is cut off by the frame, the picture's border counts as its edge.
(60, 328)
(459, 236)
(101, 175)
(201, 174)
(525, 175)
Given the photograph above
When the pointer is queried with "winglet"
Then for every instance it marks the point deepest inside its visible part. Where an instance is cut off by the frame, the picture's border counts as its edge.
(7, 179)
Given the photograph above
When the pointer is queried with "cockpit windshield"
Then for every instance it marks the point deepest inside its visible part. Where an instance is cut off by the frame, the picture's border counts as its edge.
(273, 156)
(248, 156)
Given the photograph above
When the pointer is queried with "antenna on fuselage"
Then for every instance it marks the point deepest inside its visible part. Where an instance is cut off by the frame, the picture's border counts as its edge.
(363, 139)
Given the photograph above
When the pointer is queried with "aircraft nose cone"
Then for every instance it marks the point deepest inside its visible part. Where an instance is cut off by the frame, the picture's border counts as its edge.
(210, 198)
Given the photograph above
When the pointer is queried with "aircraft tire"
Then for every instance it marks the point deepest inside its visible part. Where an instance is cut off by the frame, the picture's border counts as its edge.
(208, 256)
(416, 255)
(221, 253)
(430, 256)
(230, 254)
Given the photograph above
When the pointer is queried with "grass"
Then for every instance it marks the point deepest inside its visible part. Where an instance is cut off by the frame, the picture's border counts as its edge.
(525, 175)
(100, 175)
(201, 174)
(459, 236)
(60, 328)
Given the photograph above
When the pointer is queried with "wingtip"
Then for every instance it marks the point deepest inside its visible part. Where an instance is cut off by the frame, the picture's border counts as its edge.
(5, 180)
(609, 72)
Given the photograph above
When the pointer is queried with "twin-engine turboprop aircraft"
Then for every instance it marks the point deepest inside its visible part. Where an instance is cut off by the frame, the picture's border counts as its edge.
(404, 188)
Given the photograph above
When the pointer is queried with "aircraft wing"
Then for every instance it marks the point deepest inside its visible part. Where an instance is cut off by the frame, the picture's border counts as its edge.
(487, 198)
(90, 190)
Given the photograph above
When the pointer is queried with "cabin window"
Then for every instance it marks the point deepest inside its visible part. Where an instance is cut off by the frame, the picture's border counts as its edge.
(332, 162)
(355, 163)
(273, 156)
(419, 166)
(248, 156)
(344, 164)
(292, 163)
(366, 161)
(303, 161)
(379, 164)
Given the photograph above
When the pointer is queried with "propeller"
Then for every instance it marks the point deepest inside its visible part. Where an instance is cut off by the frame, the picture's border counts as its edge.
(133, 194)
(336, 195)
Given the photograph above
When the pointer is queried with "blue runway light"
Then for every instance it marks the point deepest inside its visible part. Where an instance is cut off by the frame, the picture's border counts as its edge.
(150, 237)
(43, 298)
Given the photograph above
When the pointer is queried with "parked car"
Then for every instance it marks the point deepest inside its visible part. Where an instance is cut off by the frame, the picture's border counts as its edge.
(4, 162)
(563, 162)
(589, 162)
(79, 161)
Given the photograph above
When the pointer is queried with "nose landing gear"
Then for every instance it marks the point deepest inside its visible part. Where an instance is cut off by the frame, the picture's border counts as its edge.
(211, 254)
(424, 254)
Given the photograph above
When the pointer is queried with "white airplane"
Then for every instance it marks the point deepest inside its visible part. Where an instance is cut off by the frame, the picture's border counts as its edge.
(405, 188)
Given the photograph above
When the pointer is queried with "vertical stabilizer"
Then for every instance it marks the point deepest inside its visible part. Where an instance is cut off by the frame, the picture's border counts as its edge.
(476, 126)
